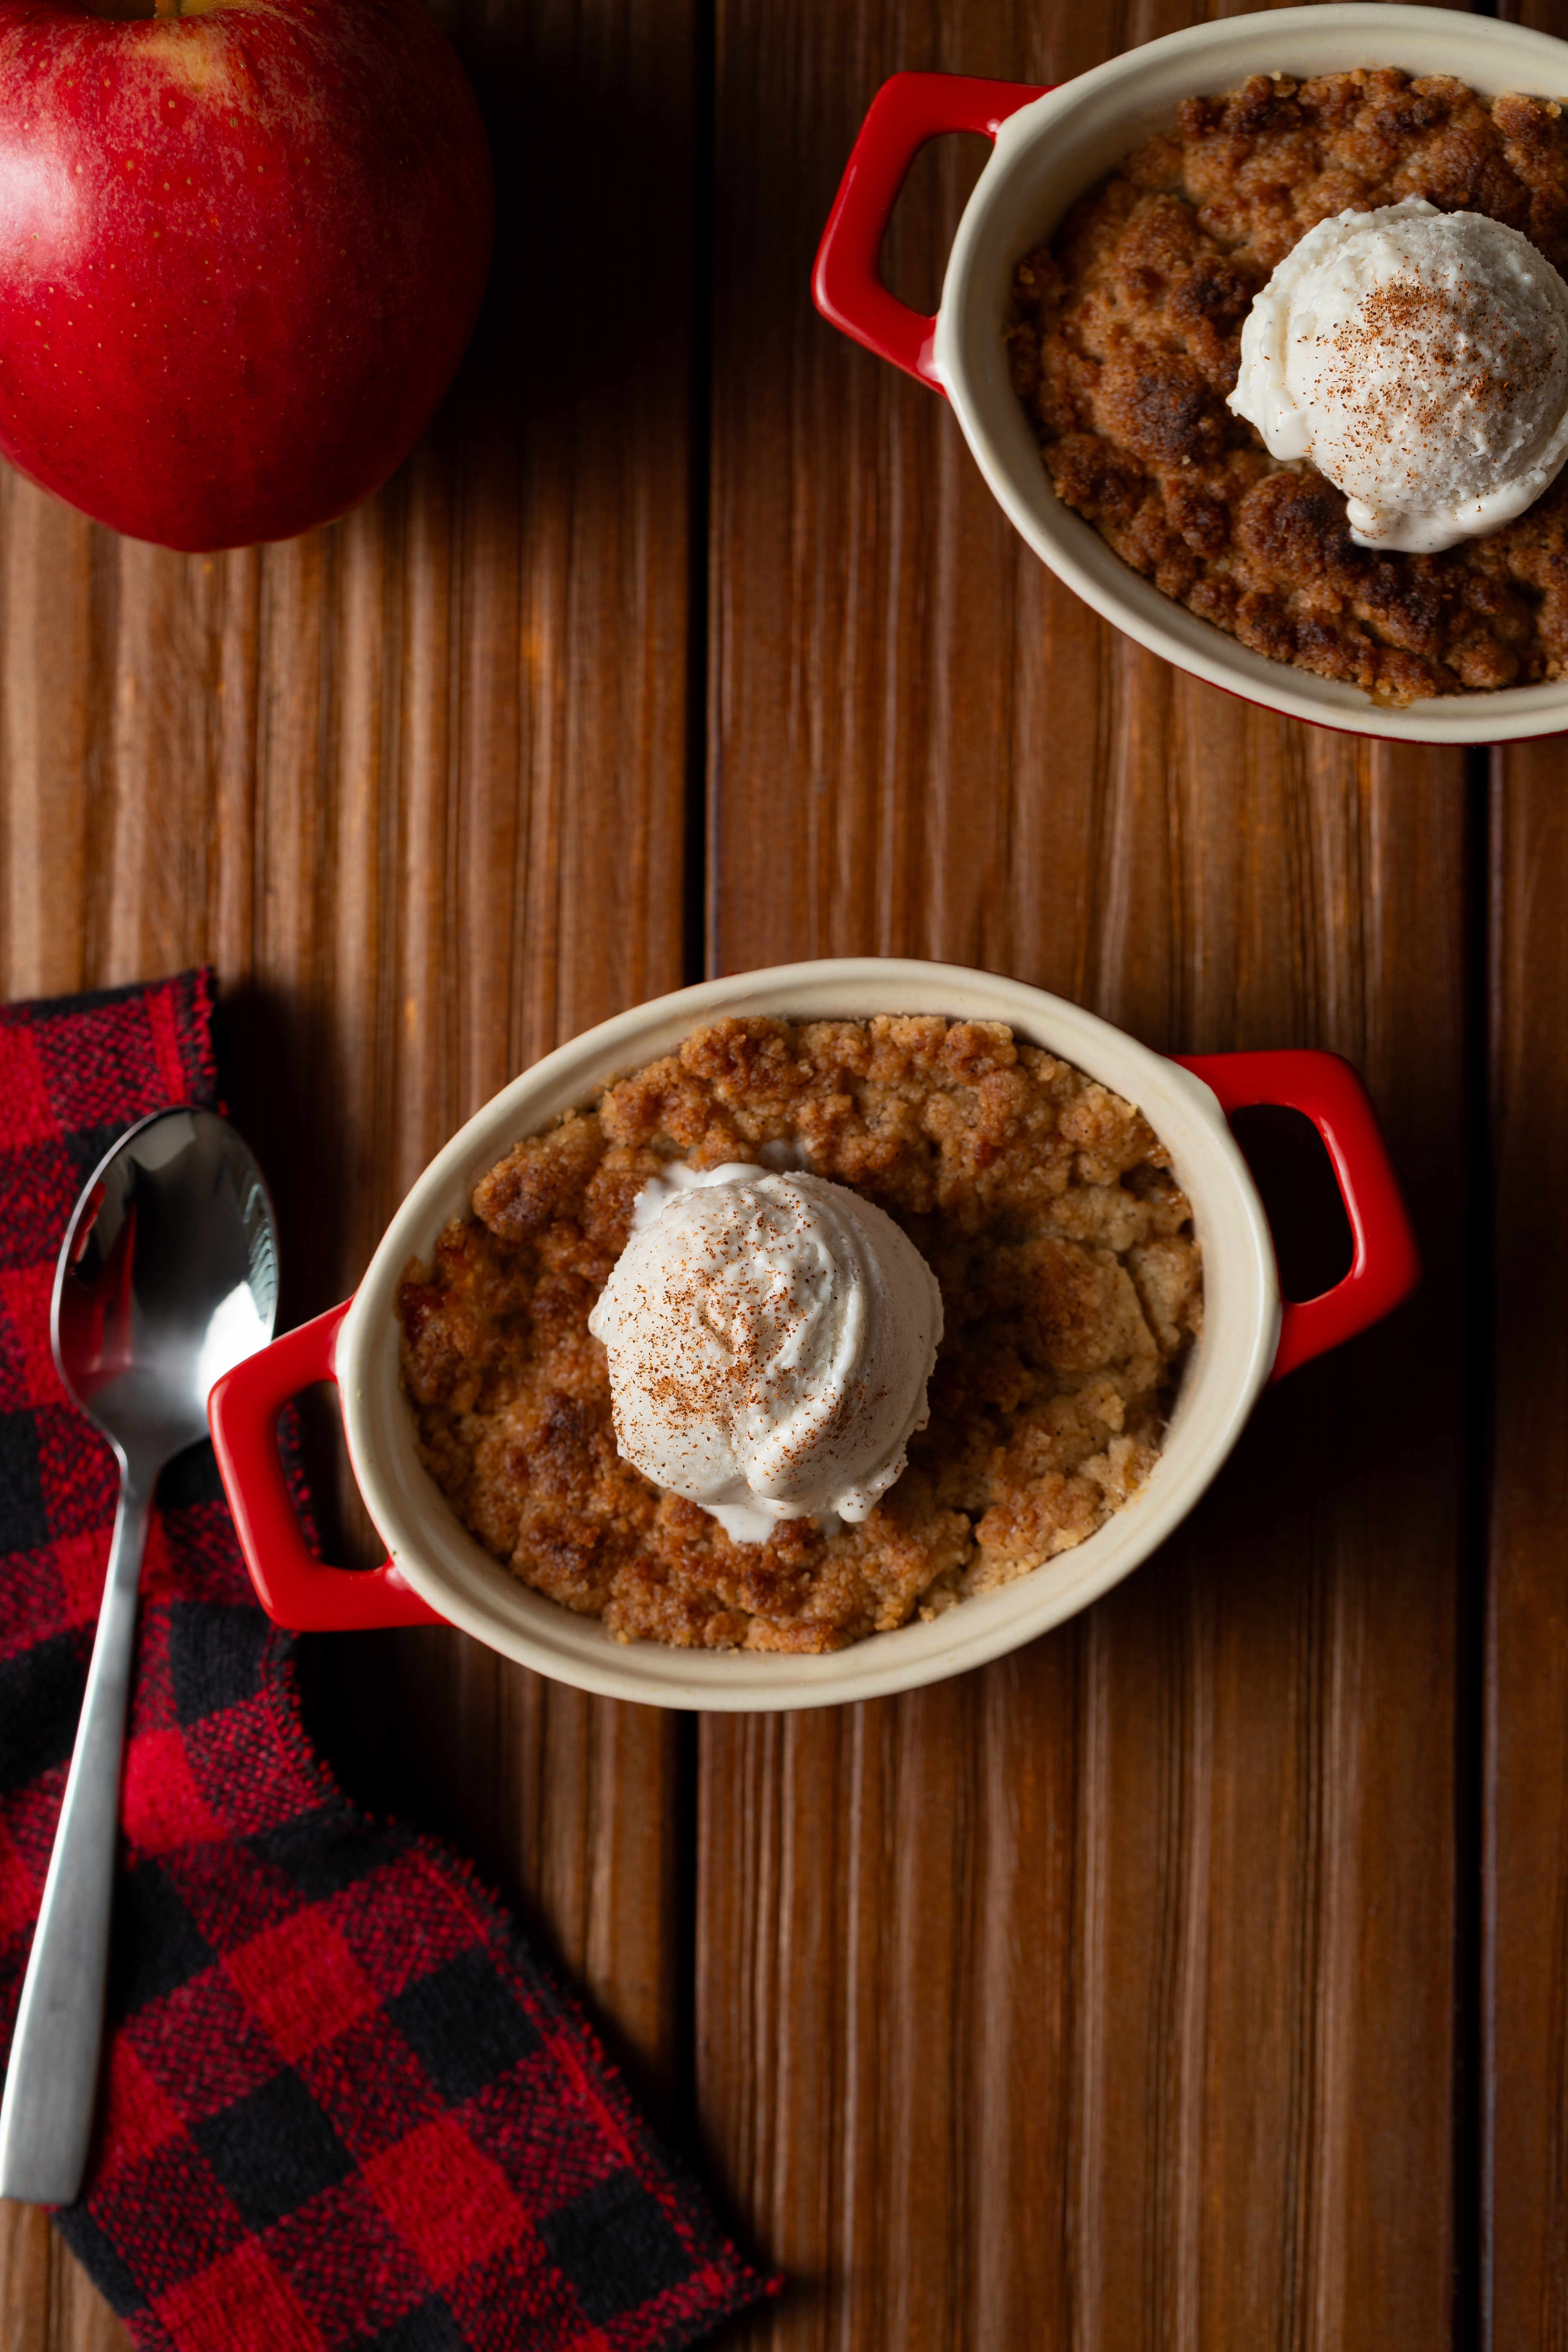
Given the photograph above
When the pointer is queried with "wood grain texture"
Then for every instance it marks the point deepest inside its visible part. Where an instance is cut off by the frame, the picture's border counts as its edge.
(46, 2298)
(1106, 1997)
(416, 785)
(1523, 1817)
(1114, 1996)
(1526, 1815)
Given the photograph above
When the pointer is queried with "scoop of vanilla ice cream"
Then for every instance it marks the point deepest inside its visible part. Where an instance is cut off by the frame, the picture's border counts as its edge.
(1420, 359)
(769, 1339)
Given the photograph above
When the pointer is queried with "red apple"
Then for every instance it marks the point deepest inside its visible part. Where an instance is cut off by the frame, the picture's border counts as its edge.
(241, 249)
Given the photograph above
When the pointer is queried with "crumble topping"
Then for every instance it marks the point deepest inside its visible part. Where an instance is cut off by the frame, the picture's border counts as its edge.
(1125, 343)
(1071, 1287)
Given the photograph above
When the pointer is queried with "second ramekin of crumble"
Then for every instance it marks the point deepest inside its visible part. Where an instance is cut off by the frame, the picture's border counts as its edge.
(1089, 329)
(1112, 1312)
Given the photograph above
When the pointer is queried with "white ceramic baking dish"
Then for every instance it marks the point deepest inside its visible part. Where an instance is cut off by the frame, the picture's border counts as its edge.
(1050, 148)
(435, 1569)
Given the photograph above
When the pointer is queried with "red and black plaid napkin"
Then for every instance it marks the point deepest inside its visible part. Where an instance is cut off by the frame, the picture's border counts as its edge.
(343, 2107)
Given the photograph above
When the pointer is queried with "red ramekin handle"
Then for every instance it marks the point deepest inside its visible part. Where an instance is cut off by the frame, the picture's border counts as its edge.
(293, 1586)
(1386, 1265)
(906, 112)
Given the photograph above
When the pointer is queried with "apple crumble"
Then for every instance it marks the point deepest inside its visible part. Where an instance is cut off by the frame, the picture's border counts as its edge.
(1125, 343)
(1071, 1287)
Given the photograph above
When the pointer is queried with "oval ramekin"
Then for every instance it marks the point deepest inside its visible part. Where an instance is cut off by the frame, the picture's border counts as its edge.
(437, 1571)
(1050, 147)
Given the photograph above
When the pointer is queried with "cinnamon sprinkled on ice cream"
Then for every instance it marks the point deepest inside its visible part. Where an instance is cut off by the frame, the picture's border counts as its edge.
(1420, 359)
(770, 1340)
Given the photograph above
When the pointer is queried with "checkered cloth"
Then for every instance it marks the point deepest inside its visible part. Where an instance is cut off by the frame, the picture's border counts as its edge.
(344, 2107)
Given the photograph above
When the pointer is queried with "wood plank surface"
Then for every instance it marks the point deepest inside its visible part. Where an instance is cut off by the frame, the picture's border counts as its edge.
(1526, 1817)
(1107, 1997)
(1121, 1994)
(391, 778)
(1522, 1627)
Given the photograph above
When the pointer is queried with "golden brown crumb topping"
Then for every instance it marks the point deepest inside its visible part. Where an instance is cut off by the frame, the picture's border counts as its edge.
(1126, 343)
(1070, 1282)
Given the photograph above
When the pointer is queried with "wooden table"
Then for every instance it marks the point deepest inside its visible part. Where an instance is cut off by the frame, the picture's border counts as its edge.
(1196, 1976)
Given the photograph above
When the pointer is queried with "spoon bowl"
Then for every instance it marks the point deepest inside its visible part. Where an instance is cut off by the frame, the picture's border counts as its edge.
(167, 1279)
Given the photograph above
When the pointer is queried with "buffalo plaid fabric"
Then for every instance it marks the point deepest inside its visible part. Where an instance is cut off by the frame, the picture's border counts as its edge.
(343, 2106)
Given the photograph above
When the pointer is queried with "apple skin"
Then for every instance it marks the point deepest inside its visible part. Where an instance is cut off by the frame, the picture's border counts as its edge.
(240, 254)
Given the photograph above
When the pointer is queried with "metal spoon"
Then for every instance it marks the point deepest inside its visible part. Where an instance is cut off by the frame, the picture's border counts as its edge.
(167, 1276)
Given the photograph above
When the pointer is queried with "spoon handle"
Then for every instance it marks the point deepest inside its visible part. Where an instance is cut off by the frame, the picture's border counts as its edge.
(46, 2116)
